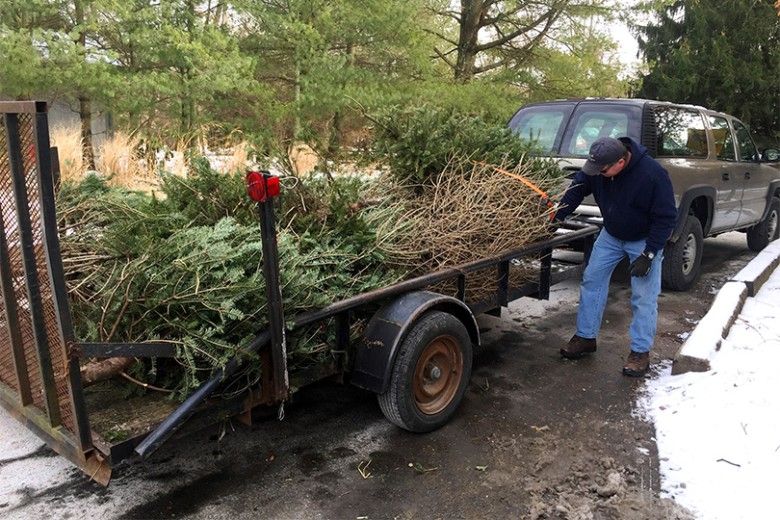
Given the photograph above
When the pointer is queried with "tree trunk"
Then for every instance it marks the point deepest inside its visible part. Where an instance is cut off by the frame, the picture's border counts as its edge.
(187, 102)
(336, 132)
(472, 13)
(85, 114)
(85, 104)
(97, 371)
(297, 105)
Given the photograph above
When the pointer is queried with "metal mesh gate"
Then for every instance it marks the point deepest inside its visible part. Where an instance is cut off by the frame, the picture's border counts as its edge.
(39, 380)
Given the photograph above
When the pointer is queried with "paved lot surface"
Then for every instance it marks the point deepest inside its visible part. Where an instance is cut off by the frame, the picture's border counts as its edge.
(536, 437)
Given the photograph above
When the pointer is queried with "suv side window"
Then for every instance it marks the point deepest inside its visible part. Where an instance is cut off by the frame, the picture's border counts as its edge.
(542, 125)
(681, 132)
(747, 150)
(724, 142)
(593, 120)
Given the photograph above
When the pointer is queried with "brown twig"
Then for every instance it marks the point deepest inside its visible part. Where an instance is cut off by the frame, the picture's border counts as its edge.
(145, 385)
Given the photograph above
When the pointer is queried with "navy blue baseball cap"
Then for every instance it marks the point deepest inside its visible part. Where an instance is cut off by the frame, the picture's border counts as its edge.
(605, 151)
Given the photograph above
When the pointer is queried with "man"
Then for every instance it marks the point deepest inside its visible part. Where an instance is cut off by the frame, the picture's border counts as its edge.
(636, 200)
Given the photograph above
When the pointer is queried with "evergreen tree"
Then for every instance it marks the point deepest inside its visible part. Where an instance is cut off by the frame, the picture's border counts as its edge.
(319, 57)
(723, 54)
(175, 60)
(49, 50)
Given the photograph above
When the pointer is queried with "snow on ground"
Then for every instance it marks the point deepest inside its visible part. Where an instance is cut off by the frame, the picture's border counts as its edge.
(718, 432)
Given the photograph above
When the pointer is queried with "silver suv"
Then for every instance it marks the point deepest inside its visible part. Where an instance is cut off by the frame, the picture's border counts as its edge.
(721, 181)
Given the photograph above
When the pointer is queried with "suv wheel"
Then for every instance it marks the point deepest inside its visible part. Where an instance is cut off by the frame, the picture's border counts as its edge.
(767, 230)
(682, 259)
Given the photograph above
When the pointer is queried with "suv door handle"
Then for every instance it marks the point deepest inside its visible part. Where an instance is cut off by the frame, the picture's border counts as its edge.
(725, 176)
(747, 175)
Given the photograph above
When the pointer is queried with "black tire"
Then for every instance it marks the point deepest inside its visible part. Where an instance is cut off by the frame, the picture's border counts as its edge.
(406, 402)
(682, 259)
(767, 230)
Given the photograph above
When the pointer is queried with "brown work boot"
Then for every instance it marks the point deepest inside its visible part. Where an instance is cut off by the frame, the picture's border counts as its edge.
(636, 364)
(578, 347)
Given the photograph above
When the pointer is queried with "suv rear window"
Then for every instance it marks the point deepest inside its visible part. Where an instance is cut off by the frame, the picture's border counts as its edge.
(724, 143)
(593, 120)
(542, 125)
(747, 150)
(681, 133)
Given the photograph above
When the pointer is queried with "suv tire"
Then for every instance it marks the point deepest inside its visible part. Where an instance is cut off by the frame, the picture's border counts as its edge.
(767, 230)
(682, 259)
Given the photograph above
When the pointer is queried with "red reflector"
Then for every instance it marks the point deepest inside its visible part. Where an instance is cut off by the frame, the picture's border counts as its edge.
(261, 186)
(255, 186)
(272, 187)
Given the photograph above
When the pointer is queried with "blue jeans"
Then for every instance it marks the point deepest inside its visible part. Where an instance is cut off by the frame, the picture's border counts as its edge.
(608, 251)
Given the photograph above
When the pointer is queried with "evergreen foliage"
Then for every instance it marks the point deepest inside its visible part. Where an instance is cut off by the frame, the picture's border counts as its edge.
(188, 267)
(175, 71)
(417, 144)
(724, 55)
(185, 265)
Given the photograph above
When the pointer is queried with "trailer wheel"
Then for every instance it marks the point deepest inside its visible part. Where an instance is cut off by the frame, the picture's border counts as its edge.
(430, 374)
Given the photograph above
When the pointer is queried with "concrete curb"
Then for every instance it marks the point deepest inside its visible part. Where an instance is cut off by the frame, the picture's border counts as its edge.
(706, 338)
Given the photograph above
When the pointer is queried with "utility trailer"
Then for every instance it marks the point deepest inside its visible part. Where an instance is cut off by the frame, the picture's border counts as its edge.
(415, 352)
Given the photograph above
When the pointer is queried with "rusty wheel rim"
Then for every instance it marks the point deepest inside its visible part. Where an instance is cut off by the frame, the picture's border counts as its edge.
(437, 375)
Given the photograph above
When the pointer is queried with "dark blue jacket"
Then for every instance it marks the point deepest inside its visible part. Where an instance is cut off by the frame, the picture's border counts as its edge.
(636, 204)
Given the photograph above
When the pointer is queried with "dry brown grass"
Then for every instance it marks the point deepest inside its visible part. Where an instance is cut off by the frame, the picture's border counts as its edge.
(303, 159)
(239, 158)
(118, 158)
(67, 139)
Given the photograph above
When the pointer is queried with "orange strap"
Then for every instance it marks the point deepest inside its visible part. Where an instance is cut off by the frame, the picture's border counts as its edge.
(539, 191)
(520, 178)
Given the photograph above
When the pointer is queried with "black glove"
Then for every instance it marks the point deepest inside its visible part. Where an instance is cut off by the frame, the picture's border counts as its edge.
(641, 266)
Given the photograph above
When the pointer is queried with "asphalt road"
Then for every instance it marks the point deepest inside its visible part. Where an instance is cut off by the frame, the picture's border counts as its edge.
(536, 437)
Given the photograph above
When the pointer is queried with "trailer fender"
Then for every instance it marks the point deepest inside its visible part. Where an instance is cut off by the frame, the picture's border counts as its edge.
(387, 329)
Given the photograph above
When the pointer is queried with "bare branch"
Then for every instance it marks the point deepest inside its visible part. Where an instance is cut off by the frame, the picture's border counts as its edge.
(490, 66)
(447, 13)
(443, 56)
(441, 36)
(550, 16)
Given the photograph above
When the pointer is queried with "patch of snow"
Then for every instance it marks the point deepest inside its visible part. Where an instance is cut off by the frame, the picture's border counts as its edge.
(717, 431)
(763, 261)
(707, 336)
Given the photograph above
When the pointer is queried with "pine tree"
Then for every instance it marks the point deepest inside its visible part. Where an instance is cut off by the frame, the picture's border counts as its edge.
(722, 54)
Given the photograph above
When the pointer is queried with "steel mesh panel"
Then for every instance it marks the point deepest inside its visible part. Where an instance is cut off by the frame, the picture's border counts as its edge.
(7, 373)
(14, 240)
(57, 348)
(16, 263)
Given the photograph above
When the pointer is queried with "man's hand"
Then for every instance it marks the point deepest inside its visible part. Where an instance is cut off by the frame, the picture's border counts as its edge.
(641, 266)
